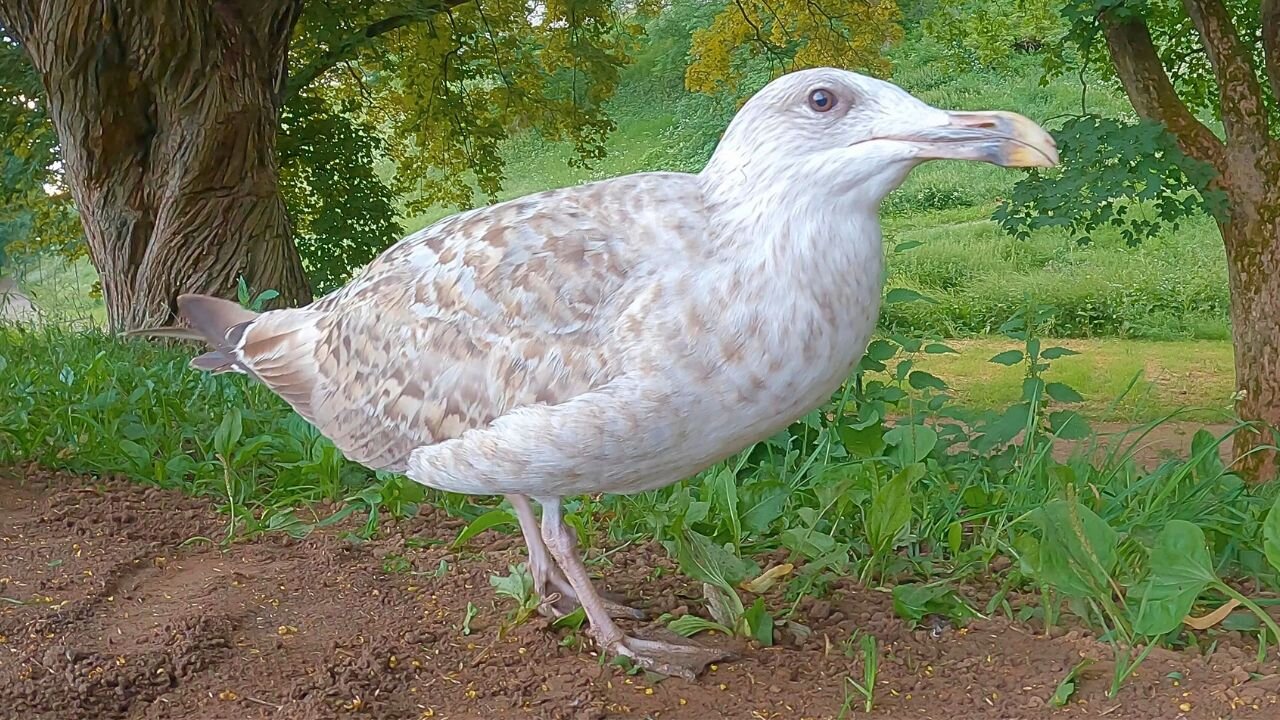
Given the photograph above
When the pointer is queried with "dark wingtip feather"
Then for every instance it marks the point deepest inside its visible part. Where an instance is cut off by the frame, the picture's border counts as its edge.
(213, 317)
(215, 362)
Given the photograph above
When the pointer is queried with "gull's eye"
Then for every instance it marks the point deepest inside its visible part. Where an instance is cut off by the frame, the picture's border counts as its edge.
(822, 100)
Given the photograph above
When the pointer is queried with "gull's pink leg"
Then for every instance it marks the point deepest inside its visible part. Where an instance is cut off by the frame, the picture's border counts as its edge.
(558, 596)
(683, 660)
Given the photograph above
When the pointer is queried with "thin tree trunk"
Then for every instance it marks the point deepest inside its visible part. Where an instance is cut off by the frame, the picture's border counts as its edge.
(1253, 253)
(166, 114)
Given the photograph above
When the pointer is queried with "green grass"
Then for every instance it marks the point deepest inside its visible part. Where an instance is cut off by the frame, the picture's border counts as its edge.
(1171, 287)
(534, 165)
(62, 290)
(1194, 378)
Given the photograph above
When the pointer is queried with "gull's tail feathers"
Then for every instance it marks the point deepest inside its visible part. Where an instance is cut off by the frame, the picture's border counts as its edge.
(218, 322)
(277, 347)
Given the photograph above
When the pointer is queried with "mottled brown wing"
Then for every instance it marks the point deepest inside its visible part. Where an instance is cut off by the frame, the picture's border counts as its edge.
(451, 328)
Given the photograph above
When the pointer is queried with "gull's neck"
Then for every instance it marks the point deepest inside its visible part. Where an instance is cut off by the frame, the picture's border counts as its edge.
(790, 226)
(801, 279)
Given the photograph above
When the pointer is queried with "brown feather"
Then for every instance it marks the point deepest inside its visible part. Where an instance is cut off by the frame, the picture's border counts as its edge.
(216, 362)
(214, 318)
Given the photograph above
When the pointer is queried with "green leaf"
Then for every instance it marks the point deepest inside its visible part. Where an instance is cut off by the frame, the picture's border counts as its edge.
(1032, 389)
(1008, 357)
(139, 456)
(890, 509)
(724, 486)
(696, 511)
(1271, 535)
(491, 519)
(690, 625)
(807, 541)
(760, 622)
(228, 433)
(1063, 393)
(920, 380)
(939, 349)
(764, 502)
(1077, 549)
(724, 604)
(955, 536)
(1069, 425)
(905, 295)
(1053, 353)
(1007, 425)
(1062, 694)
(573, 621)
(881, 350)
(1180, 570)
(862, 442)
(517, 585)
(912, 602)
(911, 443)
(702, 559)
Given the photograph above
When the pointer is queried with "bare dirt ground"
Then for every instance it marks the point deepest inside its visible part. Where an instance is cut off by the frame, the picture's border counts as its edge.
(110, 609)
(1166, 440)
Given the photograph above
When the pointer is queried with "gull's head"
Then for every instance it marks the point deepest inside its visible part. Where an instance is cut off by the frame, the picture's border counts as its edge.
(838, 134)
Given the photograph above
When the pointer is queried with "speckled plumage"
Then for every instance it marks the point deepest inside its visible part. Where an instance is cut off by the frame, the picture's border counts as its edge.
(620, 335)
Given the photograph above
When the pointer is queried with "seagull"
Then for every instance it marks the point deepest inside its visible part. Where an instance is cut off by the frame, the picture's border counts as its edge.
(617, 336)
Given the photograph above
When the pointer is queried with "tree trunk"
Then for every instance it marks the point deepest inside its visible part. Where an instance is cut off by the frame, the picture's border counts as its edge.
(1252, 238)
(166, 114)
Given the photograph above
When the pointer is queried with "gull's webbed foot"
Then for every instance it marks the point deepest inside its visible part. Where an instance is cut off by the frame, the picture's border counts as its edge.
(678, 660)
(684, 661)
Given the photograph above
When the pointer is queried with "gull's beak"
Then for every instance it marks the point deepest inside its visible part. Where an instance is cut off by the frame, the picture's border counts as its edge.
(1001, 138)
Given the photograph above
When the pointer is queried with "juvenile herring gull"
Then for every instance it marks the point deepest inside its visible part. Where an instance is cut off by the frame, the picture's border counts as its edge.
(620, 335)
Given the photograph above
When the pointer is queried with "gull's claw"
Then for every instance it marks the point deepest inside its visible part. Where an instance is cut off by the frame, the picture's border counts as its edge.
(684, 661)
(562, 601)
(549, 581)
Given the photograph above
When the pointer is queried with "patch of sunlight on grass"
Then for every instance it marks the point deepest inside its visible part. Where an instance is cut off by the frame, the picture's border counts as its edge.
(1195, 375)
(63, 291)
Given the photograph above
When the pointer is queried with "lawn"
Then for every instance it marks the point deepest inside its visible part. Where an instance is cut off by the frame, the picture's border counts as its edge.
(1121, 380)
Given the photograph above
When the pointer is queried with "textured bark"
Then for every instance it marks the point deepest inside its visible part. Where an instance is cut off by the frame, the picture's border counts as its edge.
(1248, 163)
(1253, 253)
(1244, 113)
(166, 113)
(1270, 12)
(1152, 93)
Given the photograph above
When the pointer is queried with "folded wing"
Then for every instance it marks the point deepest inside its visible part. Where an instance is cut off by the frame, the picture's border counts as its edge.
(454, 326)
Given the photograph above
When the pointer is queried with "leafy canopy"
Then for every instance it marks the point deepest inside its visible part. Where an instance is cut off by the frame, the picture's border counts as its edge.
(393, 108)
(790, 33)
(1126, 172)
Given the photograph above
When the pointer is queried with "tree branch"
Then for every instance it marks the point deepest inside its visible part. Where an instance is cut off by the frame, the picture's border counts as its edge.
(1244, 113)
(1271, 43)
(1152, 94)
(350, 46)
(17, 17)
